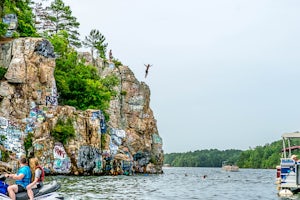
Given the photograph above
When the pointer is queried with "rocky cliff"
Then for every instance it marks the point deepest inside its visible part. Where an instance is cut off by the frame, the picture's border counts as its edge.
(129, 142)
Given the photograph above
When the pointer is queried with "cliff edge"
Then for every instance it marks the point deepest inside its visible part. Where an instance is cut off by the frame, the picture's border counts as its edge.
(128, 143)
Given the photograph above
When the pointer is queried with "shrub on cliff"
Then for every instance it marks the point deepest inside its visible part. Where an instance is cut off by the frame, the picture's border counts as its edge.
(80, 85)
(3, 28)
(28, 142)
(2, 72)
(63, 130)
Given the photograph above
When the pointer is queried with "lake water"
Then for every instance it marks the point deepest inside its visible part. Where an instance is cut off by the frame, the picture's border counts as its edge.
(175, 183)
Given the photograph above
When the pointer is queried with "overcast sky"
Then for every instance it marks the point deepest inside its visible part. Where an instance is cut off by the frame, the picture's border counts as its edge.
(225, 73)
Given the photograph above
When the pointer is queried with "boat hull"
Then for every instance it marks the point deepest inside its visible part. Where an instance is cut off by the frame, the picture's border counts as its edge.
(230, 168)
(47, 192)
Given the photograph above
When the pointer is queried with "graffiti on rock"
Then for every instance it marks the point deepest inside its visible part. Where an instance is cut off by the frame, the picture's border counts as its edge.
(89, 159)
(62, 163)
(116, 137)
(38, 146)
(156, 139)
(3, 123)
(13, 135)
(141, 159)
(99, 115)
(45, 49)
(51, 100)
(35, 116)
(11, 20)
(136, 103)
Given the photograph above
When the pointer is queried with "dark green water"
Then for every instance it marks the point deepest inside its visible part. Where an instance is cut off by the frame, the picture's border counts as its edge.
(175, 183)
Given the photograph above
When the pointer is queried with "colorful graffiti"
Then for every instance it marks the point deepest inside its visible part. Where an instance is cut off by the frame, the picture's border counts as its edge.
(13, 135)
(156, 139)
(99, 115)
(90, 159)
(35, 116)
(62, 163)
(3, 123)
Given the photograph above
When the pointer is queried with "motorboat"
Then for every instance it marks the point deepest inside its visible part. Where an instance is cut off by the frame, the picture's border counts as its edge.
(288, 172)
(229, 168)
(47, 192)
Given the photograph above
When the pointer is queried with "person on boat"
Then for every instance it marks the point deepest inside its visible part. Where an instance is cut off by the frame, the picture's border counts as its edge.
(38, 177)
(22, 177)
(295, 158)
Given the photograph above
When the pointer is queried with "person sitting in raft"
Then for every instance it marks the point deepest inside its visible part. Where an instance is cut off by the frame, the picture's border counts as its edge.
(22, 178)
(38, 178)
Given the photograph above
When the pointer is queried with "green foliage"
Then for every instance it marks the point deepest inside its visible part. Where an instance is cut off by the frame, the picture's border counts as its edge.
(25, 17)
(153, 160)
(79, 85)
(95, 41)
(3, 29)
(60, 43)
(2, 139)
(267, 156)
(3, 71)
(61, 19)
(28, 142)
(103, 140)
(5, 156)
(63, 131)
(123, 93)
(117, 62)
(203, 158)
(110, 82)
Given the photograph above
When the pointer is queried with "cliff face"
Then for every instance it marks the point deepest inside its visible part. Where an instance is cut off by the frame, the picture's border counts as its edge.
(128, 143)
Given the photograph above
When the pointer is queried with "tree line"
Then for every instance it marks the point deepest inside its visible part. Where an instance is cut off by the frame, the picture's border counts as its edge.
(263, 157)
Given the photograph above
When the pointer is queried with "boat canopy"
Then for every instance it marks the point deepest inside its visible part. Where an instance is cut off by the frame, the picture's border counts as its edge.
(291, 135)
(287, 137)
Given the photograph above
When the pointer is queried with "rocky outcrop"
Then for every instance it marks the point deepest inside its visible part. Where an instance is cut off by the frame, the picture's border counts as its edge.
(129, 142)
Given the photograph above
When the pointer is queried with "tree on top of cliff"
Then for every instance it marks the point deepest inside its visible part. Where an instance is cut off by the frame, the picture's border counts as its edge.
(79, 85)
(41, 21)
(61, 18)
(95, 40)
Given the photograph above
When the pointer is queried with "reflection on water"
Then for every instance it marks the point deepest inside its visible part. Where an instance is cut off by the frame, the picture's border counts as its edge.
(175, 183)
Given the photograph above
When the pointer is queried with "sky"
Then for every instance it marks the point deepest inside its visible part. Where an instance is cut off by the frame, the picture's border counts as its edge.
(225, 73)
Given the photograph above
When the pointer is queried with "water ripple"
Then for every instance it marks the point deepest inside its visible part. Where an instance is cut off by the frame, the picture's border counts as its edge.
(175, 183)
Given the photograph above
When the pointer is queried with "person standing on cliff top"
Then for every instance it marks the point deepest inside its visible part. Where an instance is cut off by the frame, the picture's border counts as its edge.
(110, 55)
(147, 69)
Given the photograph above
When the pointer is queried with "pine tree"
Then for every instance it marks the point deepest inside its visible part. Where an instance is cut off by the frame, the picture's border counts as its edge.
(41, 20)
(61, 18)
(95, 40)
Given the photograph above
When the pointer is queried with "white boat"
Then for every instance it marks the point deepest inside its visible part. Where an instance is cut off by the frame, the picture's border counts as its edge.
(230, 168)
(288, 173)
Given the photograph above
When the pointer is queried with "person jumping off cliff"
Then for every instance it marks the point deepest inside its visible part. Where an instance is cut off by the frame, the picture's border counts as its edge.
(147, 69)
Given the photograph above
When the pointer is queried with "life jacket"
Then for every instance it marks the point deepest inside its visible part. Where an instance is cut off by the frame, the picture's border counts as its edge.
(42, 177)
